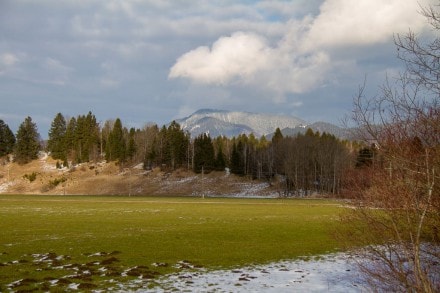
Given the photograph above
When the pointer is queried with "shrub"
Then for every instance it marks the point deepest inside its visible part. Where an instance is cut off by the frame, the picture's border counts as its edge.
(31, 177)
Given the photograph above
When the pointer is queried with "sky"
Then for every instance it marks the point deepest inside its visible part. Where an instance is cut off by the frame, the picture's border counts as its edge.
(157, 60)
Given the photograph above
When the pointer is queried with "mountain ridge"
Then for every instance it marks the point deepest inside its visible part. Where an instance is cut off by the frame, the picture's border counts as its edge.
(233, 123)
(218, 122)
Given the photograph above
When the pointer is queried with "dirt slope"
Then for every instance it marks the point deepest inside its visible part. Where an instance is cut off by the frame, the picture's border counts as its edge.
(109, 179)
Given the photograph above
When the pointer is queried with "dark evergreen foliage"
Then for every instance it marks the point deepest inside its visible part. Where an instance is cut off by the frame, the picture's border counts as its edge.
(177, 142)
(278, 136)
(28, 142)
(237, 159)
(57, 138)
(86, 138)
(365, 157)
(7, 139)
(131, 145)
(116, 145)
(220, 161)
(204, 154)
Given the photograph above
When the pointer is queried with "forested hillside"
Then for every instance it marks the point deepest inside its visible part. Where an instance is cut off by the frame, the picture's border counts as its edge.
(312, 162)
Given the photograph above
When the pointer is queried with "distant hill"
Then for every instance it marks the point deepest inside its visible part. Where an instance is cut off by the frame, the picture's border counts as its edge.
(339, 132)
(234, 123)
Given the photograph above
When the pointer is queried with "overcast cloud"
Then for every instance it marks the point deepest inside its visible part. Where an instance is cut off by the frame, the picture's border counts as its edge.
(158, 60)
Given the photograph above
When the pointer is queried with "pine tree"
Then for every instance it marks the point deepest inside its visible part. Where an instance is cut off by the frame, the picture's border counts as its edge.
(116, 147)
(69, 139)
(277, 137)
(80, 138)
(92, 138)
(57, 138)
(28, 142)
(7, 139)
(177, 144)
(203, 154)
(237, 162)
(131, 146)
(220, 161)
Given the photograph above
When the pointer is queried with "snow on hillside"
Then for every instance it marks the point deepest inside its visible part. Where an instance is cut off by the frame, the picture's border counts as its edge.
(232, 123)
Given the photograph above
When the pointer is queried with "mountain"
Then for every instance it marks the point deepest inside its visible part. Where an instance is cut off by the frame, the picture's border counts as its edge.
(339, 132)
(234, 123)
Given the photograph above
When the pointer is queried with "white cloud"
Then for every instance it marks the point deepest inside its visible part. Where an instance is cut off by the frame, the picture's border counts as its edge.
(247, 59)
(230, 58)
(363, 22)
(308, 54)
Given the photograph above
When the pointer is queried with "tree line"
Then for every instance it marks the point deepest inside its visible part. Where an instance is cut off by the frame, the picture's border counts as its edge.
(310, 162)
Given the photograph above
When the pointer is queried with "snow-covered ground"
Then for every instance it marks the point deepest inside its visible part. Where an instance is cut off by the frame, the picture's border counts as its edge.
(5, 185)
(330, 273)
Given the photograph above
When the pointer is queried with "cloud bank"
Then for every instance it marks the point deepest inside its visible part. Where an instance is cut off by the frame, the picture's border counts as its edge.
(156, 60)
(308, 52)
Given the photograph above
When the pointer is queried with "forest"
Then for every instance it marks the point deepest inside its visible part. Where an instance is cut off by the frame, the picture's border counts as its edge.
(307, 163)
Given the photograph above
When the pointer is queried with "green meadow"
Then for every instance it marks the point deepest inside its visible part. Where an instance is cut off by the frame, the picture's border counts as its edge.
(52, 242)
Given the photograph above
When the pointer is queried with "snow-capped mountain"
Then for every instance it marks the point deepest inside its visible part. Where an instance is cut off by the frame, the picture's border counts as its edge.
(321, 127)
(233, 123)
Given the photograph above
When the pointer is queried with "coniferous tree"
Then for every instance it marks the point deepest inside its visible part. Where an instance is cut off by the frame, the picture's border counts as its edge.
(80, 139)
(164, 156)
(237, 162)
(365, 157)
(7, 139)
(220, 161)
(278, 136)
(57, 138)
(69, 139)
(203, 154)
(178, 144)
(148, 146)
(28, 142)
(131, 146)
(116, 147)
(86, 138)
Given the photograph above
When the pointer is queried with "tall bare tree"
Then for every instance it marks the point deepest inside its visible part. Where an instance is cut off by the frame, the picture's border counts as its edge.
(398, 216)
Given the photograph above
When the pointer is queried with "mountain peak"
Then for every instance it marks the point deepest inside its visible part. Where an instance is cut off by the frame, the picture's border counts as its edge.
(207, 111)
(233, 123)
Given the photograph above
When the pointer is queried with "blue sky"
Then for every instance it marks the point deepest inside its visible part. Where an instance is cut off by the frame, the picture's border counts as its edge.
(155, 60)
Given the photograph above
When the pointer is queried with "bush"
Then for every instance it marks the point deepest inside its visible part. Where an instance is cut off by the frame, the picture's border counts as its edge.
(53, 183)
(31, 177)
(57, 181)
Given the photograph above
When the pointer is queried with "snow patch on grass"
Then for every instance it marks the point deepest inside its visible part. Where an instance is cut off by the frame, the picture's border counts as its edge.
(330, 273)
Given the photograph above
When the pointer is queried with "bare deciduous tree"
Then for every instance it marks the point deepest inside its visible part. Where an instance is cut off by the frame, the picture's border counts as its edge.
(398, 216)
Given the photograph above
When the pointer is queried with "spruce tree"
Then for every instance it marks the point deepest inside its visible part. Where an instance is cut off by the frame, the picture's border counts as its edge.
(116, 147)
(203, 154)
(57, 138)
(80, 137)
(7, 139)
(131, 146)
(28, 142)
(83, 138)
(69, 139)
(163, 147)
(220, 161)
(237, 161)
(178, 145)
(92, 137)
(278, 136)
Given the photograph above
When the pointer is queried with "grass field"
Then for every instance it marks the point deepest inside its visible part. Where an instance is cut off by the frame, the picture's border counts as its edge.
(62, 242)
